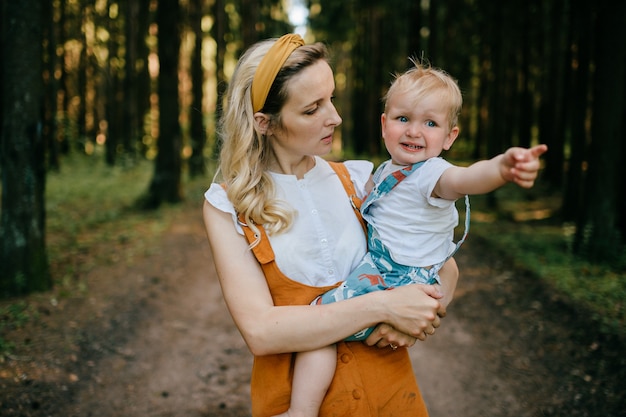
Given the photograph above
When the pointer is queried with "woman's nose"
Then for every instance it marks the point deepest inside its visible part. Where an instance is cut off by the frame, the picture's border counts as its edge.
(334, 118)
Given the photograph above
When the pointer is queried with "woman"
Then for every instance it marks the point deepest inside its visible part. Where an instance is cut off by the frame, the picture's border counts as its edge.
(282, 231)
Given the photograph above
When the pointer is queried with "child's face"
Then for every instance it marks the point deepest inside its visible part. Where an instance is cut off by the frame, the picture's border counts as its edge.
(414, 132)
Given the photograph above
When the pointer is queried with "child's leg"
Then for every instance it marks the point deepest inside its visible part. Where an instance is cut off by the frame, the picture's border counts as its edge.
(312, 375)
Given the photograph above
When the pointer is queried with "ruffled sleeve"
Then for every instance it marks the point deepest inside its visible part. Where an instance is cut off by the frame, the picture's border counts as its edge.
(216, 196)
(360, 172)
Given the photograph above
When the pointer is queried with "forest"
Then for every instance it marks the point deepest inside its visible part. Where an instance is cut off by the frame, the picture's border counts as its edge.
(125, 81)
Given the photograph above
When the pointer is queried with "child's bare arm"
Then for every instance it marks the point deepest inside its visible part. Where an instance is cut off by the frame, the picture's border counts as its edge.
(518, 165)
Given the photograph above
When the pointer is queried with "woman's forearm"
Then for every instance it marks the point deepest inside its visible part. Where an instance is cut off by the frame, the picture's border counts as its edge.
(274, 329)
(302, 328)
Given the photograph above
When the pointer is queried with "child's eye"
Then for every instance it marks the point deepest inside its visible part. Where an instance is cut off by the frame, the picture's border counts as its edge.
(430, 123)
(403, 119)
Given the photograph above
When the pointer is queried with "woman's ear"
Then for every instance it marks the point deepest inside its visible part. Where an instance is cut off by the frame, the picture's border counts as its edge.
(261, 123)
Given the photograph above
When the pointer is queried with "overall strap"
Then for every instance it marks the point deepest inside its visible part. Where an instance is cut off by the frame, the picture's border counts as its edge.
(343, 174)
(263, 250)
(261, 244)
(383, 187)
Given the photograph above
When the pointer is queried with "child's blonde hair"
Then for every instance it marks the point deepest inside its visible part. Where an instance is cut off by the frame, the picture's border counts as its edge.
(423, 80)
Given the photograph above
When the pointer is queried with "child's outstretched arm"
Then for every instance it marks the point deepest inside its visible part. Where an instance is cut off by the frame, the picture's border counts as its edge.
(518, 165)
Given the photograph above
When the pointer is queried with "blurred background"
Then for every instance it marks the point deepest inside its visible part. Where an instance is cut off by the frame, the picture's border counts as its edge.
(95, 89)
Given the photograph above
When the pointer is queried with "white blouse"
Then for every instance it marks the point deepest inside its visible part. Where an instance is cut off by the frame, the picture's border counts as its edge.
(326, 241)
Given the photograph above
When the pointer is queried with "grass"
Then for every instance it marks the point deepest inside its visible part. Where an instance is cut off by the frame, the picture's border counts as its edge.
(91, 220)
(91, 216)
(527, 232)
(14, 316)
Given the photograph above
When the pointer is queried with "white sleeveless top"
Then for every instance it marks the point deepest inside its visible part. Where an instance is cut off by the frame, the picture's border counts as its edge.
(326, 241)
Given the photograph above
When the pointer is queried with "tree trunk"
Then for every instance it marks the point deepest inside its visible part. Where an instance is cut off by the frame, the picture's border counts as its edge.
(51, 86)
(144, 82)
(132, 121)
(166, 180)
(220, 26)
(598, 237)
(111, 82)
(582, 35)
(367, 92)
(82, 71)
(551, 120)
(22, 234)
(198, 133)
(251, 23)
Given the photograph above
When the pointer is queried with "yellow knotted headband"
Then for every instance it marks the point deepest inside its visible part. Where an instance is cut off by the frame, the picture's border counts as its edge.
(271, 63)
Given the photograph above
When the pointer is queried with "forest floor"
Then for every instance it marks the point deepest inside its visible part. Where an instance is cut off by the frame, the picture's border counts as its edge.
(154, 339)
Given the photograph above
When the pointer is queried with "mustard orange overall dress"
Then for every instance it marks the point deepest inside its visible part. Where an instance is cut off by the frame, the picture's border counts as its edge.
(368, 381)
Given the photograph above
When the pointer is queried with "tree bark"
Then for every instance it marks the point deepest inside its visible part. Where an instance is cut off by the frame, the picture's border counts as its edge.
(132, 119)
(166, 180)
(598, 237)
(582, 35)
(198, 132)
(22, 223)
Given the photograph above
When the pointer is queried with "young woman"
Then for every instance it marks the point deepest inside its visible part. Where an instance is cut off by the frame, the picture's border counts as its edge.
(283, 230)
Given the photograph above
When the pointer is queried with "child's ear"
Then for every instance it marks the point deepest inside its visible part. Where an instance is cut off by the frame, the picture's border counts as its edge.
(261, 123)
(383, 123)
(454, 133)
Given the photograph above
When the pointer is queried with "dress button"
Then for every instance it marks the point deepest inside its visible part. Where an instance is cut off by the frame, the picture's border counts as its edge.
(314, 212)
(356, 394)
(345, 358)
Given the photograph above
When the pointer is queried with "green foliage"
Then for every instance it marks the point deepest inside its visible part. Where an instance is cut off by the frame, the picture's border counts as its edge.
(543, 246)
(92, 218)
(13, 316)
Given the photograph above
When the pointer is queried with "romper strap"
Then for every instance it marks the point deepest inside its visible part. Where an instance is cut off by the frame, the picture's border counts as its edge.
(343, 174)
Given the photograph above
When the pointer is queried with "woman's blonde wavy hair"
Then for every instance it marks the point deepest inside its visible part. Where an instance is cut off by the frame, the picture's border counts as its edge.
(244, 156)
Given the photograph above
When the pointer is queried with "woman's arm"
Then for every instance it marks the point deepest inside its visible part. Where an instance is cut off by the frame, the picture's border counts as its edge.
(269, 329)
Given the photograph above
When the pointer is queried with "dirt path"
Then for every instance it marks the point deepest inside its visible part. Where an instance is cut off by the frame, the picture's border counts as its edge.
(155, 340)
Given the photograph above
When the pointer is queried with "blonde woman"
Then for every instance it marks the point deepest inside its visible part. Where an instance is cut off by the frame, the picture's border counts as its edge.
(282, 230)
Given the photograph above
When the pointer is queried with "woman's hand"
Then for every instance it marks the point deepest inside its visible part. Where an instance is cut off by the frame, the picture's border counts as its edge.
(427, 319)
(385, 335)
(412, 312)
